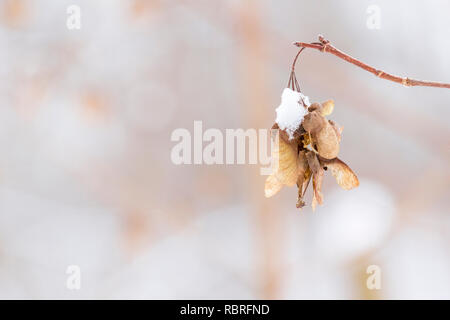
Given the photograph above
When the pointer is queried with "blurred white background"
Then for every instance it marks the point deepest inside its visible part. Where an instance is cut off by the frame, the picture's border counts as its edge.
(86, 177)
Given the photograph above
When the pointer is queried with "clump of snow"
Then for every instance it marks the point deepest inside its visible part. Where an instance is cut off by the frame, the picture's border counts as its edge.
(305, 99)
(290, 113)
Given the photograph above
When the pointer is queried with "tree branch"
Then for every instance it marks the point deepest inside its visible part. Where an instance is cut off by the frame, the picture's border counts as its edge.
(324, 46)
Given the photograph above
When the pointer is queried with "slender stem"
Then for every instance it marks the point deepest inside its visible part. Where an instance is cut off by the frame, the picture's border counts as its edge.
(296, 57)
(325, 46)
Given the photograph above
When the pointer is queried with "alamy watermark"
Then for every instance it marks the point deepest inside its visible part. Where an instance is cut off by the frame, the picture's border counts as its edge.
(373, 21)
(231, 146)
(74, 17)
(73, 281)
(373, 281)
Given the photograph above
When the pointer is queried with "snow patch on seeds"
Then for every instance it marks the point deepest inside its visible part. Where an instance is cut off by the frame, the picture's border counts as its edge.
(290, 112)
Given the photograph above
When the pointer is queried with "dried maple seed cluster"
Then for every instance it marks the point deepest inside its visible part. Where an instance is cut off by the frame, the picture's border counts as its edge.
(306, 153)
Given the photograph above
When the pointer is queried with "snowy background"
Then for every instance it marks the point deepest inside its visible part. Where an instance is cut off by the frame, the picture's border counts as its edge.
(85, 172)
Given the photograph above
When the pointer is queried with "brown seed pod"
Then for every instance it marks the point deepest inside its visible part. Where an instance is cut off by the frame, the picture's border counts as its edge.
(285, 168)
(315, 107)
(325, 138)
(302, 164)
(303, 174)
(305, 155)
(345, 177)
(285, 158)
(317, 176)
(324, 108)
(302, 184)
(326, 141)
(337, 128)
(327, 108)
(272, 186)
(313, 122)
(313, 162)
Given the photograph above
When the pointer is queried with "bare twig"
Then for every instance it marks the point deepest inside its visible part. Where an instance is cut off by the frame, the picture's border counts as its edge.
(325, 46)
